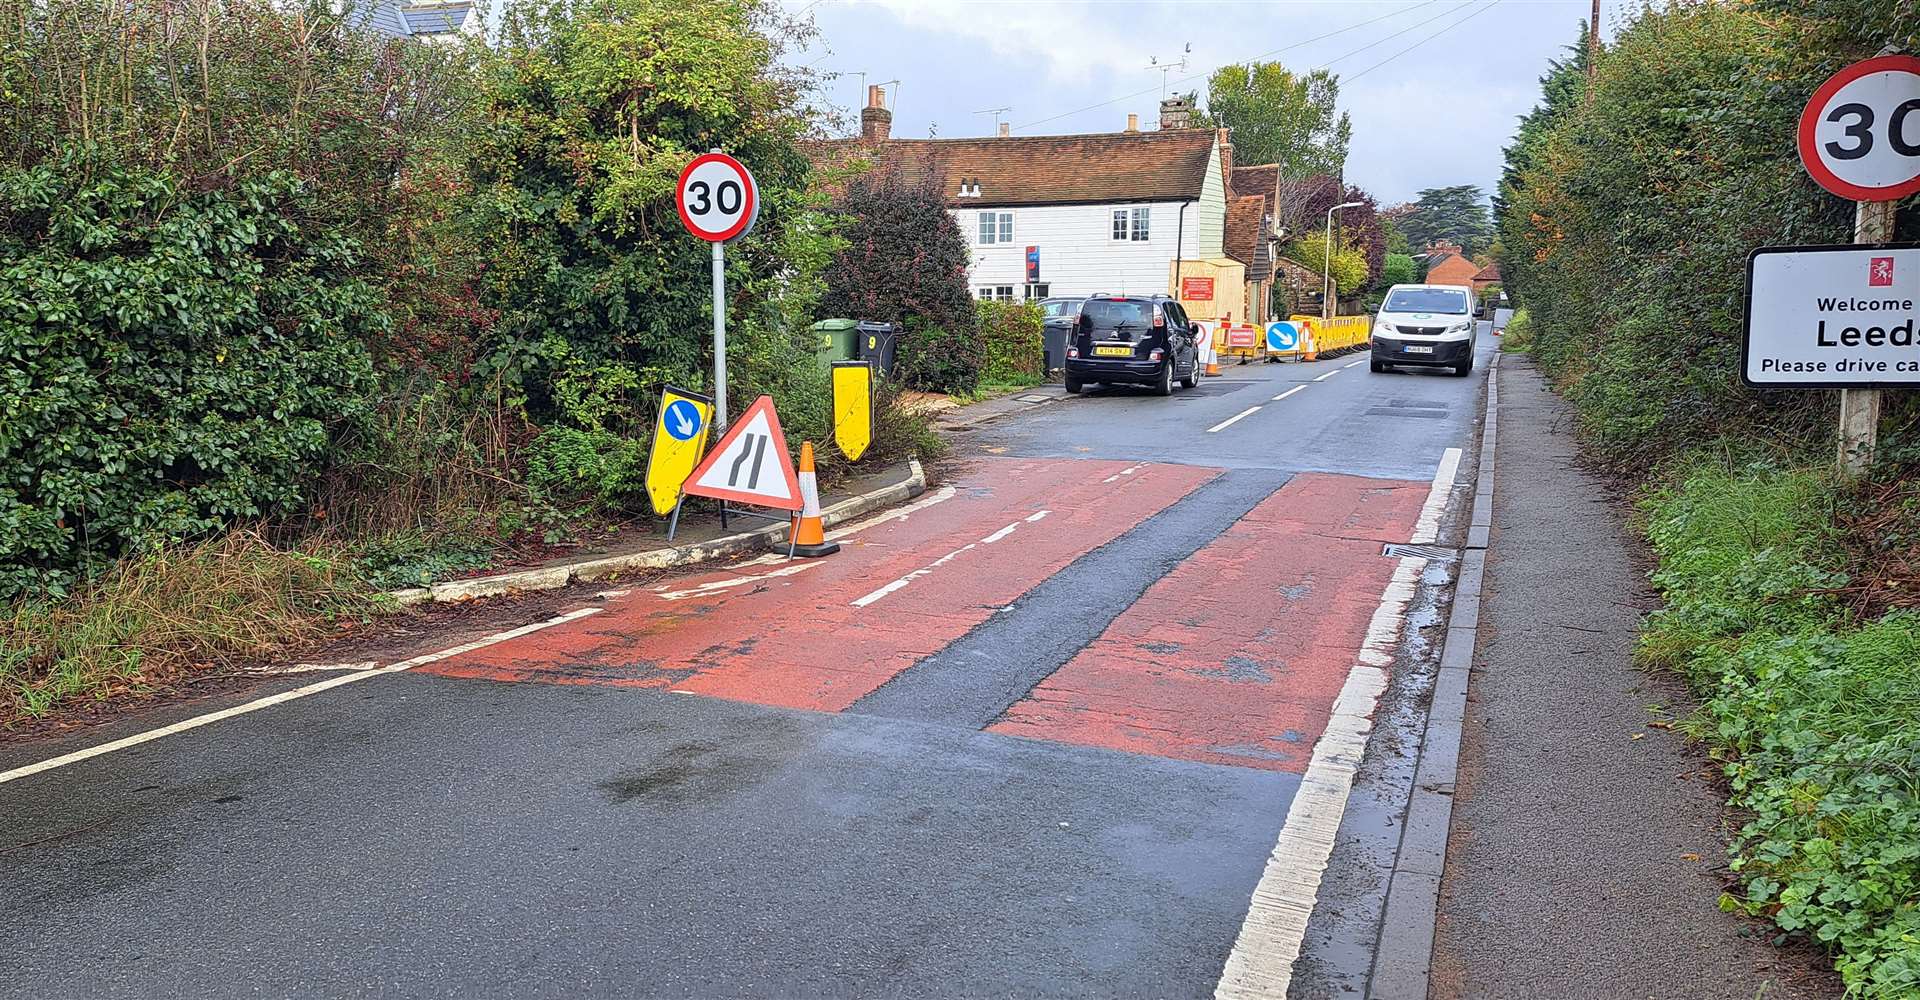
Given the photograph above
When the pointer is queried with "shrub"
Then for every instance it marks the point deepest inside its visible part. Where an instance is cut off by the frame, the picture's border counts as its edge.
(569, 466)
(1011, 336)
(1517, 338)
(939, 359)
(172, 360)
(1814, 717)
(904, 259)
(1348, 266)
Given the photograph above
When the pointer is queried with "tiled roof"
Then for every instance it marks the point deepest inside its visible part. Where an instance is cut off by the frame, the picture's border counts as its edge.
(1260, 180)
(1169, 165)
(1489, 273)
(1245, 240)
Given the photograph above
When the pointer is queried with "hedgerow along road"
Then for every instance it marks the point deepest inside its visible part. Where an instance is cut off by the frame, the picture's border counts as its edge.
(1040, 731)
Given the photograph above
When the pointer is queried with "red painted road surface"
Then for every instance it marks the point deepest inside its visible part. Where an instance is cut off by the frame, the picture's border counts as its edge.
(800, 641)
(1236, 656)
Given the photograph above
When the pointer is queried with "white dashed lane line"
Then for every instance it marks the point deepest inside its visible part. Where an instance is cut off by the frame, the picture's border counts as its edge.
(1230, 421)
(1289, 392)
(1356, 361)
(1326, 376)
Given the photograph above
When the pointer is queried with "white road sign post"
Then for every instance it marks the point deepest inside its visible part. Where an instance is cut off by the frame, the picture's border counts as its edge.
(1859, 137)
(719, 203)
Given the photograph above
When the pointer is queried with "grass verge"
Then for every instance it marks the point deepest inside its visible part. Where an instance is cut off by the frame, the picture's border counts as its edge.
(153, 619)
(1811, 709)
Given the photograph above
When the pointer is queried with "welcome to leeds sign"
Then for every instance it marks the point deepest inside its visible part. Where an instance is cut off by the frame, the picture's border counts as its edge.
(1832, 317)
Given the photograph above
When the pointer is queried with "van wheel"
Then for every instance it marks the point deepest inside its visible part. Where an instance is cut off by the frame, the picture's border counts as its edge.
(1165, 387)
(1464, 369)
(1074, 385)
(1374, 365)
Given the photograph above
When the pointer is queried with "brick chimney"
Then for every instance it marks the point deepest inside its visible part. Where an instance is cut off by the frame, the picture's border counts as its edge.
(1226, 152)
(1176, 112)
(1133, 123)
(1006, 129)
(876, 122)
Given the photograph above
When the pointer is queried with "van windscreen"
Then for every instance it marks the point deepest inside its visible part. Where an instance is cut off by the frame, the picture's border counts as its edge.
(1427, 300)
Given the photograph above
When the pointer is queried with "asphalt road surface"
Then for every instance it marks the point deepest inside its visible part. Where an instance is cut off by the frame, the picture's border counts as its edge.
(1038, 733)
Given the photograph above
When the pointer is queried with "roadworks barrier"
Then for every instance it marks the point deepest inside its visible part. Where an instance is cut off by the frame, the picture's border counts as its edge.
(1237, 340)
(1325, 337)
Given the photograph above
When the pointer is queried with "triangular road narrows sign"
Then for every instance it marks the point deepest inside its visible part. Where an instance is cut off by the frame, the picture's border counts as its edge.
(750, 464)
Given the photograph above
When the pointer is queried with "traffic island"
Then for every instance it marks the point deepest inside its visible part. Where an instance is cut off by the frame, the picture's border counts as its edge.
(697, 542)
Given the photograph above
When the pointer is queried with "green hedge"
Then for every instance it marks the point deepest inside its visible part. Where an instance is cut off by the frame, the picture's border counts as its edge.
(169, 359)
(1011, 333)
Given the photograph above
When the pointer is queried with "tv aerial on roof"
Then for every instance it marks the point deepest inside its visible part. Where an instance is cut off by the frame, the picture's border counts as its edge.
(1153, 62)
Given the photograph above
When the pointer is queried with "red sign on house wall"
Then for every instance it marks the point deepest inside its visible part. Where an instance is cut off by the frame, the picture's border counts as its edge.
(1196, 289)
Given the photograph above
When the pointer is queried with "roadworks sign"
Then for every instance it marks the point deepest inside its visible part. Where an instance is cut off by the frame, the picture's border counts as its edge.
(679, 439)
(750, 464)
(853, 407)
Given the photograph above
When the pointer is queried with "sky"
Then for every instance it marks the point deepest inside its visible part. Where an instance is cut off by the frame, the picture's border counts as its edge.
(1433, 86)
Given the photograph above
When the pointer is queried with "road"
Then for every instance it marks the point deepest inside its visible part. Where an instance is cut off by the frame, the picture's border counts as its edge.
(1038, 733)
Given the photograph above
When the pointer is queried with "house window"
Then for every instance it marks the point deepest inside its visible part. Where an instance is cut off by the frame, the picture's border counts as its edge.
(1132, 224)
(996, 227)
(996, 293)
(1034, 291)
(1140, 217)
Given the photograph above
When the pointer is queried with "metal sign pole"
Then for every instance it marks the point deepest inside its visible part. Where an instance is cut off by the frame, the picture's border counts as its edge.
(1860, 408)
(720, 336)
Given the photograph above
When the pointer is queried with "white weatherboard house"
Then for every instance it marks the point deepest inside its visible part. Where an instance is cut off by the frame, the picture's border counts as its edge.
(1107, 212)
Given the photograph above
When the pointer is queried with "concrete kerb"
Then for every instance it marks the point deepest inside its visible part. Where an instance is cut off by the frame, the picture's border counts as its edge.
(555, 577)
(1403, 960)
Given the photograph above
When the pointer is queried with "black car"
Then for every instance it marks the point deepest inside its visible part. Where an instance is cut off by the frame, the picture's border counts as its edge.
(1132, 340)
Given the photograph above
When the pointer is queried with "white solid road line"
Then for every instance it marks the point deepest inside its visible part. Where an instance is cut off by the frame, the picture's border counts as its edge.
(1289, 392)
(1326, 376)
(1261, 963)
(949, 557)
(1230, 421)
(286, 696)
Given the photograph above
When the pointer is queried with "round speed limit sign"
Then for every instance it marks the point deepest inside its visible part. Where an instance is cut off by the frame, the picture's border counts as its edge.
(1860, 134)
(718, 200)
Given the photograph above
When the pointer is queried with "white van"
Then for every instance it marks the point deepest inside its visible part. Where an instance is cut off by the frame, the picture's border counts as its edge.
(1428, 325)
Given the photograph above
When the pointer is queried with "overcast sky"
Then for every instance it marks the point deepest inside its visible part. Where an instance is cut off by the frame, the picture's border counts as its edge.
(1433, 85)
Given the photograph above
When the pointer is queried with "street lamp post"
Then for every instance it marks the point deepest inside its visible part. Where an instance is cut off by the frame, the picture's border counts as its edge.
(1326, 267)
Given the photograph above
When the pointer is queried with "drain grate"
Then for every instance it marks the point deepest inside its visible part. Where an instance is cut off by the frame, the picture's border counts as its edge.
(1398, 551)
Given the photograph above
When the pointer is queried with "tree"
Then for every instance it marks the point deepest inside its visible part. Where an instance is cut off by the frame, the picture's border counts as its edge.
(1348, 266)
(1278, 116)
(1358, 228)
(591, 111)
(904, 259)
(1399, 269)
(1455, 214)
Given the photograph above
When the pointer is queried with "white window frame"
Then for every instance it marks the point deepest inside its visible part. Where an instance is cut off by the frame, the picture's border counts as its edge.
(994, 293)
(1131, 225)
(1142, 229)
(1118, 233)
(995, 228)
(1034, 291)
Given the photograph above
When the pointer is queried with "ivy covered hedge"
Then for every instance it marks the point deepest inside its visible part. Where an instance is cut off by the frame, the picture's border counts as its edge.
(174, 360)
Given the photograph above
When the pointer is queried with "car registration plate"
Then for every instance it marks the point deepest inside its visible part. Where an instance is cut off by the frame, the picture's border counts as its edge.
(1419, 349)
(1113, 352)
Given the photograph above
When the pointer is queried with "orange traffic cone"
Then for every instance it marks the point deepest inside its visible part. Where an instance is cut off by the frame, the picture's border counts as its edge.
(809, 535)
(1213, 357)
(1309, 350)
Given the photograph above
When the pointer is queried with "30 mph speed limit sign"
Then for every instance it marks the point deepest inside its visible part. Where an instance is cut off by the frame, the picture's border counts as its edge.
(1860, 134)
(718, 200)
